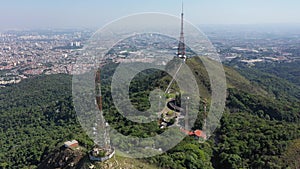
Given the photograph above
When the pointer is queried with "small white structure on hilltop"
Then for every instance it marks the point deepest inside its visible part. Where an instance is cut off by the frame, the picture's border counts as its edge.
(71, 144)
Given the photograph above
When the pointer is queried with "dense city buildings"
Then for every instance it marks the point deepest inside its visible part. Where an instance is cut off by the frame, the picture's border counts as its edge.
(33, 52)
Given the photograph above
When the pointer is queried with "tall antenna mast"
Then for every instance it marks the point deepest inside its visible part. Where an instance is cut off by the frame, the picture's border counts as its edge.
(182, 8)
(102, 151)
(101, 119)
(181, 45)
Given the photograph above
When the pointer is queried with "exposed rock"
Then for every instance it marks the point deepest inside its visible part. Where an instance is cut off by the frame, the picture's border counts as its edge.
(63, 158)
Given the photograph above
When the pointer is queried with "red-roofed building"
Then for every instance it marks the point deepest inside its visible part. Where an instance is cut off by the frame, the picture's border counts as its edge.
(71, 144)
(197, 133)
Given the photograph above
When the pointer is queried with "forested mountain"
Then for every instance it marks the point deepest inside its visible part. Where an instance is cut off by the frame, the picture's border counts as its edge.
(260, 127)
(289, 71)
(36, 116)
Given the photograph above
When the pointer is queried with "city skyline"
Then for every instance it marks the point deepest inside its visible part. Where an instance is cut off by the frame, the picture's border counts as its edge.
(32, 14)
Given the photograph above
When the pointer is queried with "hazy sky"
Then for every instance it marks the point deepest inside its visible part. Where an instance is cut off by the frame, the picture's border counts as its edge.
(94, 13)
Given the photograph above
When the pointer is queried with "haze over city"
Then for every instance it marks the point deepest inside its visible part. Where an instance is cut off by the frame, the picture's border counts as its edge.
(33, 14)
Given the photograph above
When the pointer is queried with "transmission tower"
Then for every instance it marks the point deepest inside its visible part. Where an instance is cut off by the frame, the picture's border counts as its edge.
(100, 121)
(181, 44)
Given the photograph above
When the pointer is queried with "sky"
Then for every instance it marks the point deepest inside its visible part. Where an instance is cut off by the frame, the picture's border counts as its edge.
(28, 14)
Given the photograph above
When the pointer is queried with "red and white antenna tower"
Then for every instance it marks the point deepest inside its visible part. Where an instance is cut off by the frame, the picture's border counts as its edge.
(101, 121)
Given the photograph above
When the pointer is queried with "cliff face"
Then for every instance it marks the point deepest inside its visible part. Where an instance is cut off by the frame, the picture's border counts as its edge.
(63, 158)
